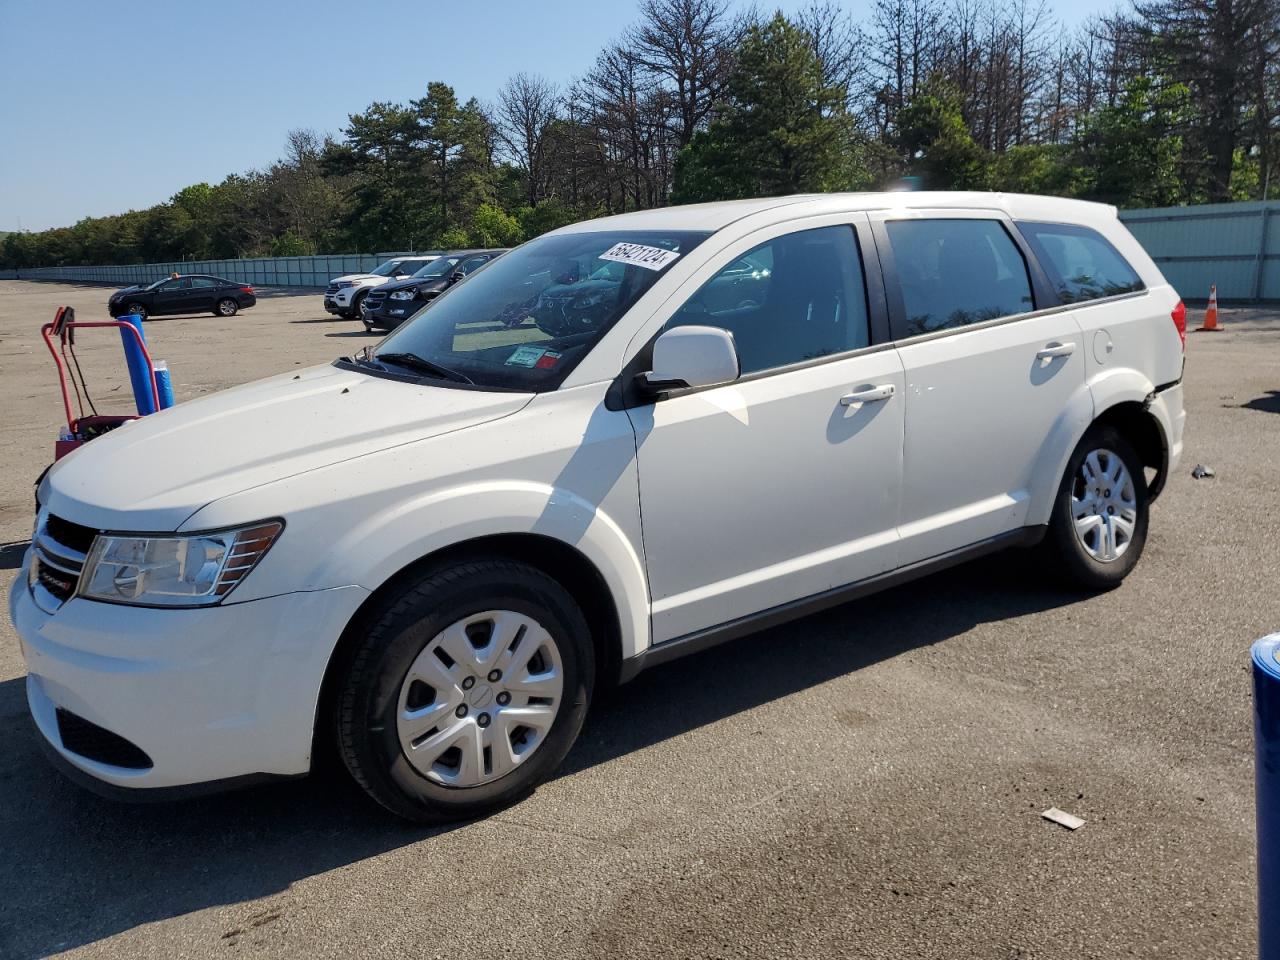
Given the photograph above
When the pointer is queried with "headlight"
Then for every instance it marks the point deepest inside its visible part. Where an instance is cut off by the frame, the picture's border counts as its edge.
(403, 295)
(177, 571)
(343, 284)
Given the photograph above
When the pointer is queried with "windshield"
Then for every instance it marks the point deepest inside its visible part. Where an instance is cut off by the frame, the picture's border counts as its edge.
(156, 285)
(392, 267)
(437, 268)
(525, 321)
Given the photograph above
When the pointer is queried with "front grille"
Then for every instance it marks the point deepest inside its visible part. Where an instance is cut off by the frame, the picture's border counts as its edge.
(374, 300)
(92, 742)
(60, 549)
(74, 535)
(331, 290)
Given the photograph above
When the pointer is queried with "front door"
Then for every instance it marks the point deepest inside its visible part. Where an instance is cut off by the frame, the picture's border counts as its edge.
(785, 483)
(172, 296)
(988, 374)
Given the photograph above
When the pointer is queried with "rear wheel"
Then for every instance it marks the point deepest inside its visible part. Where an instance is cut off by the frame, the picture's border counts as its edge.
(137, 308)
(1099, 523)
(227, 307)
(466, 691)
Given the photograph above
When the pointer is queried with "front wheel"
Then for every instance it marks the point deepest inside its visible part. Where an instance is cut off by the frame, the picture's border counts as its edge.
(1099, 522)
(137, 308)
(227, 307)
(465, 691)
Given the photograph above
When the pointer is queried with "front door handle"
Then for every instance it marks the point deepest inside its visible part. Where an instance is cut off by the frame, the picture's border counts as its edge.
(868, 395)
(1055, 349)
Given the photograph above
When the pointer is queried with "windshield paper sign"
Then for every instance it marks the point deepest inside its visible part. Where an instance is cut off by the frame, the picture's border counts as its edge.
(638, 255)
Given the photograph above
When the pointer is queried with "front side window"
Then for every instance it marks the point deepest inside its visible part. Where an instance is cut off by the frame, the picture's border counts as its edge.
(797, 297)
(956, 272)
(1081, 263)
(527, 319)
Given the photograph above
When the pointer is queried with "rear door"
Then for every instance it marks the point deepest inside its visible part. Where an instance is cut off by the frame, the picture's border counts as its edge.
(201, 294)
(990, 367)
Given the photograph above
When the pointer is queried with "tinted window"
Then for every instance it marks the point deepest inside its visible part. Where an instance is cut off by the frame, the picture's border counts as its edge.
(203, 283)
(795, 298)
(956, 272)
(1081, 264)
(169, 286)
(472, 264)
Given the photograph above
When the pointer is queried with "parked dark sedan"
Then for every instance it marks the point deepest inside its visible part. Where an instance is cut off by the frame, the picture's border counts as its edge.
(388, 306)
(196, 293)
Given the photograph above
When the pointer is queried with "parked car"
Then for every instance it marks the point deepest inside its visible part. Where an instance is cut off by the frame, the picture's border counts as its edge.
(389, 305)
(344, 294)
(195, 293)
(624, 441)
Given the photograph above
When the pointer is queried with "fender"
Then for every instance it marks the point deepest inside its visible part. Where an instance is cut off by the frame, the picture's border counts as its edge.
(1101, 393)
(1046, 475)
(388, 541)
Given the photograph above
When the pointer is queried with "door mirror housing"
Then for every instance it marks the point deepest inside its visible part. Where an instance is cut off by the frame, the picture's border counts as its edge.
(692, 356)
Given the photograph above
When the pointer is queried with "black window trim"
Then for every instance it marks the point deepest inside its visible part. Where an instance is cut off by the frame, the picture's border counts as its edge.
(1043, 297)
(624, 394)
(1050, 270)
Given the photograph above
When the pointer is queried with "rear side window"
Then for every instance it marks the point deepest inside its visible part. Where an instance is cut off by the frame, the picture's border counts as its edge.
(1081, 263)
(797, 297)
(953, 273)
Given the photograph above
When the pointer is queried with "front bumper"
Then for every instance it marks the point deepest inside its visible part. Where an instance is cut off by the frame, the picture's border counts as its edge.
(338, 303)
(386, 316)
(209, 694)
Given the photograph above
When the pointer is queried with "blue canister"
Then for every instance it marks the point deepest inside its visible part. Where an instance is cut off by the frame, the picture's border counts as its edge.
(164, 384)
(1266, 734)
(139, 369)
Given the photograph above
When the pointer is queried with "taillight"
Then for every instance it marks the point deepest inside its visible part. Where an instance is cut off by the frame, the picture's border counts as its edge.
(1179, 315)
(250, 290)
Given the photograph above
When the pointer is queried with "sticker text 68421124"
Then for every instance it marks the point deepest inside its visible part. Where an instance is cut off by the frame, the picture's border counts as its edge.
(639, 255)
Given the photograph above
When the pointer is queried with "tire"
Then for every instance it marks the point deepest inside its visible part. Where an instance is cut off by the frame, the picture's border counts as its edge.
(226, 307)
(1105, 509)
(137, 308)
(356, 303)
(398, 695)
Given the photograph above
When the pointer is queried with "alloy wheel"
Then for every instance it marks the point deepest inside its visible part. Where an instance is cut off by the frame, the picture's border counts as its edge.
(1104, 505)
(480, 698)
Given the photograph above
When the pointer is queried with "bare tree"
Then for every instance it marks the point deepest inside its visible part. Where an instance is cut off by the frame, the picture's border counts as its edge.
(527, 106)
(688, 44)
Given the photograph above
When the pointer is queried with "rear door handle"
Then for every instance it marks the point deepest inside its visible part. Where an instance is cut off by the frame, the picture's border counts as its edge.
(868, 395)
(1055, 349)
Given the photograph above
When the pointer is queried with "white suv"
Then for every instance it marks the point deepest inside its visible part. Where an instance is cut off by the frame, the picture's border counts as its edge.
(344, 294)
(621, 442)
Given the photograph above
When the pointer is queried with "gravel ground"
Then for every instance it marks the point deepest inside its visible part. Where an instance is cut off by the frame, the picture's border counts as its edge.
(864, 783)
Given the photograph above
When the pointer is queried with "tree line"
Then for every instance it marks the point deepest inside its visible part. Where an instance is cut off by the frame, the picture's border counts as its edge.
(1162, 102)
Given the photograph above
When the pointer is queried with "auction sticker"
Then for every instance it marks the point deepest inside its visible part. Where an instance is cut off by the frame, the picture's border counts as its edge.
(526, 356)
(638, 255)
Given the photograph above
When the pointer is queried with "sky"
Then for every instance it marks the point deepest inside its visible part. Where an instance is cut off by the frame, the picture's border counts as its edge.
(111, 105)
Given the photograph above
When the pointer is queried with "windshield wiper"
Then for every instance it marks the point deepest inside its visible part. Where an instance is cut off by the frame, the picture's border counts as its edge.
(412, 361)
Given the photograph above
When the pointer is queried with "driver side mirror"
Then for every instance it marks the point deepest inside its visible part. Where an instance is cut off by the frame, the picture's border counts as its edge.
(692, 356)
(456, 276)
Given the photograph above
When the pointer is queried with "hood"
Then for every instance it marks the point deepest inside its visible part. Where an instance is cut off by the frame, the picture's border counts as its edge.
(424, 283)
(154, 473)
(357, 277)
(133, 289)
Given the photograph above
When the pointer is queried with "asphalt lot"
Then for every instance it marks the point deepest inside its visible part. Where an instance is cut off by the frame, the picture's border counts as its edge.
(864, 783)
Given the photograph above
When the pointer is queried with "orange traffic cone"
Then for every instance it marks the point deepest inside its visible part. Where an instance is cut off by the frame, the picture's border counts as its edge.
(1211, 312)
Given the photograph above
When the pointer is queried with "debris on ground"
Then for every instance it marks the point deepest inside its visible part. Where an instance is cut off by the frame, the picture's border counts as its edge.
(1068, 820)
(1200, 471)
